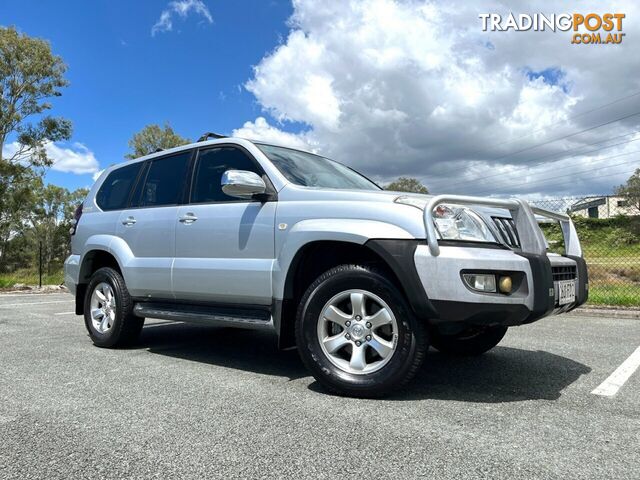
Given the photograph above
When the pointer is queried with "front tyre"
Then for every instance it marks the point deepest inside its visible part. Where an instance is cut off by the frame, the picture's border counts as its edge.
(356, 333)
(108, 310)
(469, 342)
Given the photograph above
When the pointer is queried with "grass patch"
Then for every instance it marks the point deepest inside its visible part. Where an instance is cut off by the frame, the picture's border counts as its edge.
(611, 248)
(614, 295)
(30, 277)
(614, 275)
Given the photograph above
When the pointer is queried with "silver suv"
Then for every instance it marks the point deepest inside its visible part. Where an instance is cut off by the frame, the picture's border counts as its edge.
(246, 234)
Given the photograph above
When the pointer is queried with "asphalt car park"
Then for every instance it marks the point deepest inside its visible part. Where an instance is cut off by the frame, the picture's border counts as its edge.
(196, 402)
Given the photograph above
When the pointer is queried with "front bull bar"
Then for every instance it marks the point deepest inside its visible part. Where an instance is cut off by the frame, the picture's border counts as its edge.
(532, 239)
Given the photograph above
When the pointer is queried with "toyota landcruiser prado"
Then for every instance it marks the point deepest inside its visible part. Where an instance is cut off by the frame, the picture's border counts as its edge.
(362, 281)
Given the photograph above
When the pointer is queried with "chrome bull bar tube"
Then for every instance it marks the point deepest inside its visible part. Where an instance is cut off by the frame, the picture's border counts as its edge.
(571, 241)
(524, 216)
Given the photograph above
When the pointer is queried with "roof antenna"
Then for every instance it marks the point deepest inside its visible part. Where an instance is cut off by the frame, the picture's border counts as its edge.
(209, 135)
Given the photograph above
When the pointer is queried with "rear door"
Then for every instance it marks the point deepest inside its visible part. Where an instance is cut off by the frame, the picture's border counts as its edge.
(148, 225)
(224, 245)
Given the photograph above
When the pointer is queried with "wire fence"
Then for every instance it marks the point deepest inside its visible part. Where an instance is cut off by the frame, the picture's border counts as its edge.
(608, 227)
(39, 264)
(609, 231)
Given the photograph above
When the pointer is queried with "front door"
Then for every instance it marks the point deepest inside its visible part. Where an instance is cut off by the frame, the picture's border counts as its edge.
(224, 246)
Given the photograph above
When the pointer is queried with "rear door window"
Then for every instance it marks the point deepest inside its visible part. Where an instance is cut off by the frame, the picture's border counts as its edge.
(165, 181)
(115, 190)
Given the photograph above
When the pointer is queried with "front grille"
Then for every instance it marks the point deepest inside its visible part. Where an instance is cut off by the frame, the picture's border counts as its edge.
(508, 233)
(564, 273)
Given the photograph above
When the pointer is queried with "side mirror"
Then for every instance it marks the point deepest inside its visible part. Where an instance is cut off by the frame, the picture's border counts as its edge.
(242, 184)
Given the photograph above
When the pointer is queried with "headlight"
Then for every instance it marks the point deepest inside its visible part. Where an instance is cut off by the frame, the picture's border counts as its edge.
(455, 222)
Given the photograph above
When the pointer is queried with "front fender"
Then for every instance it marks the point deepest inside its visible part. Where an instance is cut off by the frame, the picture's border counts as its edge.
(289, 242)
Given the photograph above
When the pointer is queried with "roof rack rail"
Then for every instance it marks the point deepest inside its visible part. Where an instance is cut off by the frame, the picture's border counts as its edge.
(209, 135)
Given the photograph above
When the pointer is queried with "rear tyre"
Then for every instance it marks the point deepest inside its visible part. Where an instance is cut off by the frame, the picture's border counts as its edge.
(108, 310)
(356, 333)
(469, 342)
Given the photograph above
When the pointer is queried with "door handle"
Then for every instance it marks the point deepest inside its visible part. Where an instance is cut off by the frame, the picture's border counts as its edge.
(129, 221)
(188, 218)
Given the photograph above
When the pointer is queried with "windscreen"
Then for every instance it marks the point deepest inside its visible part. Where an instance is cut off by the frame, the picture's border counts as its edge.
(309, 170)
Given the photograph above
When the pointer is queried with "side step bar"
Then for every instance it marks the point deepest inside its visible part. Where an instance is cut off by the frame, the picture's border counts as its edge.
(251, 318)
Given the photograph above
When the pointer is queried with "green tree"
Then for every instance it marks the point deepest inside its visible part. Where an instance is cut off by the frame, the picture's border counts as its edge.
(50, 221)
(18, 195)
(631, 190)
(30, 74)
(152, 138)
(46, 217)
(407, 184)
(74, 199)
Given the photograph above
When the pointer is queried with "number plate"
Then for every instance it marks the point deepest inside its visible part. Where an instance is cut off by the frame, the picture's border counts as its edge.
(566, 291)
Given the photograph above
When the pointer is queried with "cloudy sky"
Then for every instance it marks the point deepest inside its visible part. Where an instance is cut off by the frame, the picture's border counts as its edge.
(391, 88)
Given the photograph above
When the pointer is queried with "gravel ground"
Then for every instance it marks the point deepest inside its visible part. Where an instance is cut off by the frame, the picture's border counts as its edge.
(195, 402)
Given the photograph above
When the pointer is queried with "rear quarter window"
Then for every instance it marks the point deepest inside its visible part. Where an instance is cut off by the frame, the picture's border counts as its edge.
(115, 190)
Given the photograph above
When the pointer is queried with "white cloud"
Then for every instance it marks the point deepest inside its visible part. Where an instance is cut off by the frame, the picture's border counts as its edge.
(182, 8)
(261, 130)
(416, 88)
(302, 94)
(76, 158)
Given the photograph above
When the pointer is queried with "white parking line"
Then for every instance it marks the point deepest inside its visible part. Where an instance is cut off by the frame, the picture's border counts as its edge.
(616, 380)
(65, 313)
(31, 303)
(5, 295)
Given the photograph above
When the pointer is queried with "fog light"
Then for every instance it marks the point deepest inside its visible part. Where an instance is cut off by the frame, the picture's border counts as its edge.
(480, 282)
(505, 284)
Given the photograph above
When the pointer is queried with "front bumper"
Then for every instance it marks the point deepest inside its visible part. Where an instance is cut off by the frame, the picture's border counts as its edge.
(440, 265)
(535, 295)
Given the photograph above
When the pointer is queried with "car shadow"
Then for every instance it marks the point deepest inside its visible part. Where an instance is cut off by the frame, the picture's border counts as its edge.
(504, 374)
(248, 350)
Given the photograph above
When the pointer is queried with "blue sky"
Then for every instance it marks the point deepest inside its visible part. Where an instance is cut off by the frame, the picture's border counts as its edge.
(389, 87)
(123, 78)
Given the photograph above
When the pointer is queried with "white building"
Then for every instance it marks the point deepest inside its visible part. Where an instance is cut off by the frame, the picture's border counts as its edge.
(603, 207)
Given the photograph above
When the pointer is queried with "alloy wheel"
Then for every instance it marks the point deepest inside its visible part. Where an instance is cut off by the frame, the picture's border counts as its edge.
(358, 332)
(103, 307)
